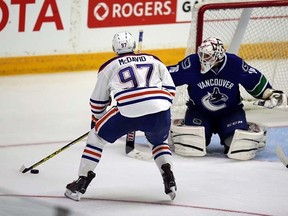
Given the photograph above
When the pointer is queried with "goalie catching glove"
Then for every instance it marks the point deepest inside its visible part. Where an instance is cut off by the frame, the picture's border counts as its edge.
(272, 98)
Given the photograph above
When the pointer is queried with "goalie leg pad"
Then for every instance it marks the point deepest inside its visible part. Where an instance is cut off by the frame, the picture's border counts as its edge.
(244, 144)
(253, 127)
(188, 140)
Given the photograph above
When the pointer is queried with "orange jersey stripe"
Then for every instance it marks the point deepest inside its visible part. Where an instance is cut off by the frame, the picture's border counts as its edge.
(144, 93)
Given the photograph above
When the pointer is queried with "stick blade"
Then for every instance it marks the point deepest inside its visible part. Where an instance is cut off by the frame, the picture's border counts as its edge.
(283, 158)
(23, 169)
(130, 142)
(140, 155)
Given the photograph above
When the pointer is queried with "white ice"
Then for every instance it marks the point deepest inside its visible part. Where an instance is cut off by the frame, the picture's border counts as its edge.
(39, 114)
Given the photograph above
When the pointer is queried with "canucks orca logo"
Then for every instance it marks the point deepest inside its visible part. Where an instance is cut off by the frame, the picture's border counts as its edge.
(214, 101)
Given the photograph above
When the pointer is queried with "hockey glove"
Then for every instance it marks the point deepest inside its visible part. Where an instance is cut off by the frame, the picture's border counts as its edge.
(277, 98)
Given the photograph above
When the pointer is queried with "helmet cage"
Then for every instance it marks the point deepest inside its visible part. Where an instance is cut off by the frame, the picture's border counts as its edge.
(210, 52)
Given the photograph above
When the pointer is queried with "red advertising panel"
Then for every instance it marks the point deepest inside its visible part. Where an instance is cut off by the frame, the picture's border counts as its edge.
(107, 13)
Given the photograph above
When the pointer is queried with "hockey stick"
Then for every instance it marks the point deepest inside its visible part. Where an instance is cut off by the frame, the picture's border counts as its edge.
(130, 138)
(131, 151)
(130, 142)
(23, 169)
(140, 40)
(283, 158)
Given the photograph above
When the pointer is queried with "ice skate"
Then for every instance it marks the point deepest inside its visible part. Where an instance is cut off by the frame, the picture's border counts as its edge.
(169, 181)
(76, 189)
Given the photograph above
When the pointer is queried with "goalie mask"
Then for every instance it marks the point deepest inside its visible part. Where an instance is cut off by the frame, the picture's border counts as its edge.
(210, 52)
(123, 42)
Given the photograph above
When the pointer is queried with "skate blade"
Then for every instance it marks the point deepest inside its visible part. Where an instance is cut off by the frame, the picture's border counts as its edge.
(172, 194)
(74, 196)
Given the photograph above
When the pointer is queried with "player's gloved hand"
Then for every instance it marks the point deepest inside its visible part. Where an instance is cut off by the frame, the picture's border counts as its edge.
(276, 98)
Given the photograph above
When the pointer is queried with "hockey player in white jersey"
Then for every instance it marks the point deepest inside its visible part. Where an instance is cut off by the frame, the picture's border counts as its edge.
(213, 77)
(143, 90)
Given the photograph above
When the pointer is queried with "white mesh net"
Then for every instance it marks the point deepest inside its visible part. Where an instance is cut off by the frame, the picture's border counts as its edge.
(255, 30)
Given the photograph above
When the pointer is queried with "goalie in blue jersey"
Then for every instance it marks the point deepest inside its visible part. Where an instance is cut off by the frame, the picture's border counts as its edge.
(213, 77)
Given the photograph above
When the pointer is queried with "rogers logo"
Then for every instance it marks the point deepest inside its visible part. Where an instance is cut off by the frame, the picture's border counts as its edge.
(128, 13)
(97, 11)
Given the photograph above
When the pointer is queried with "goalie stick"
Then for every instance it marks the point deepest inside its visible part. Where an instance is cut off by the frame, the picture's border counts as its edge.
(130, 149)
(140, 41)
(283, 158)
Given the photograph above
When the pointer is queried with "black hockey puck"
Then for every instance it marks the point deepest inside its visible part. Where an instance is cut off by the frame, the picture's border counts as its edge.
(34, 171)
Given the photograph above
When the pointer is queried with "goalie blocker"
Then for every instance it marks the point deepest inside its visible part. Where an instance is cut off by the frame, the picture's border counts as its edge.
(190, 141)
(273, 98)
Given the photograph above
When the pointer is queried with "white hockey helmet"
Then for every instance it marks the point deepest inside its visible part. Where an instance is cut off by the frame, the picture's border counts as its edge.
(210, 52)
(123, 42)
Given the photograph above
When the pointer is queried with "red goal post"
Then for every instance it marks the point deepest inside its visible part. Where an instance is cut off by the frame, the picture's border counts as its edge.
(257, 31)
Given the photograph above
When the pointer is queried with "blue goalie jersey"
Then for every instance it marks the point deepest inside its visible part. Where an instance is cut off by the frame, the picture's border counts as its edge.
(217, 91)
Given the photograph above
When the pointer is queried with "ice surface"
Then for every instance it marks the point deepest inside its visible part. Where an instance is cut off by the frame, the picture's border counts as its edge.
(42, 113)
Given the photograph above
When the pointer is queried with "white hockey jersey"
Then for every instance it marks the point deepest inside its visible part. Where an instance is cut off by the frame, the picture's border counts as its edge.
(139, 83)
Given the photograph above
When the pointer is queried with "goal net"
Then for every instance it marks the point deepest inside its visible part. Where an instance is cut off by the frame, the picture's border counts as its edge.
(257, 31)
